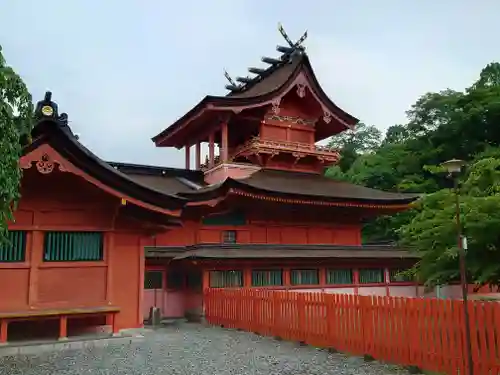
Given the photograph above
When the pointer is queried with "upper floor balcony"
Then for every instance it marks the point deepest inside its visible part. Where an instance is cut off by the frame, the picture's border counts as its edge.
(257, 146)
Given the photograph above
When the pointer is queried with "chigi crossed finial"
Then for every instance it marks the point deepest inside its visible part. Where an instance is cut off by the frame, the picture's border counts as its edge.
(287, 52)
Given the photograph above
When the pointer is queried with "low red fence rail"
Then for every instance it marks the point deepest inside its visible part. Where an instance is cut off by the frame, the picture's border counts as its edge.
(428, 333)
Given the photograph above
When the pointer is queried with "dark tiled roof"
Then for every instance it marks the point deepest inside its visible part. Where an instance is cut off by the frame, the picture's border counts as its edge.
(167, 184)
(304, 185)
(275, 80)
(54, 130)
(164, 179)
(249, 251)
(271, 82)
(309, 184)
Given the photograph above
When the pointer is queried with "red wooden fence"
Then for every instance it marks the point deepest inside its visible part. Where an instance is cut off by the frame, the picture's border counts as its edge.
(427, 333)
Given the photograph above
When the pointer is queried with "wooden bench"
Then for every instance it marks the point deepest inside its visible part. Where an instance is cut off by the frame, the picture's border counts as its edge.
(61, 314)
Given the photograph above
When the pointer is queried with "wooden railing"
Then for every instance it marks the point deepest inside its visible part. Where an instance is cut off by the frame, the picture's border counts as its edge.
(267, 144)
(257, 142)
(427, 333)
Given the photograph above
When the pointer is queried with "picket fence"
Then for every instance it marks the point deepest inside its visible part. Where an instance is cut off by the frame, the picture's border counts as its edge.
(427, 333)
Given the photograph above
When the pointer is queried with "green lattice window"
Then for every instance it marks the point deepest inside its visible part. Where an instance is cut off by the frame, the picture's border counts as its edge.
(73, 246)
(339, 276)
(304, 277)
(175, 279)
(267, 277)
(153, 280)
(396, 276)
(229, 236)
(194, 280)
(14, 247)
(234, 218)
(226, 279)
(371, 276)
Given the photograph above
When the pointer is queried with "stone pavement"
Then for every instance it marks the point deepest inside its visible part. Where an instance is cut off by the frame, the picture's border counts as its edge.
(192, 349)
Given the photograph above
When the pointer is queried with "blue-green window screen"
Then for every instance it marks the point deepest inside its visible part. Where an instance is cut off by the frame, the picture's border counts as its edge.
(396, 276)
(13, 248)
(226, 279)
(304, 277)
(73, 246)
(339, 276)
(267, 277)
(233, 218)
(371, 276)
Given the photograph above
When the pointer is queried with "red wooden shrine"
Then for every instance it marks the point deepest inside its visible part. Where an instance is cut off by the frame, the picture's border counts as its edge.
(98, 243)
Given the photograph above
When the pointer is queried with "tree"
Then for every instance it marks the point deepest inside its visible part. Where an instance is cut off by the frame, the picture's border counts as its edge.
(353, 143)
(432, 232)
(16, 109)
(444, 125)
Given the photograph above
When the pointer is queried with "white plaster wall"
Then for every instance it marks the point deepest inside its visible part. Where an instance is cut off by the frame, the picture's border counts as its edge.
(446, 291)
(327, 290)
(372, 291)
(403, 291)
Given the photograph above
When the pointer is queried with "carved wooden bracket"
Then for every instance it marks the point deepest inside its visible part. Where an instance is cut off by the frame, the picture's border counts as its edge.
(276, 105)
(301, 89)
(45, 159)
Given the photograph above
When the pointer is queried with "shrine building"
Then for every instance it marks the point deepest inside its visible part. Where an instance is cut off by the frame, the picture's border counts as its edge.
(97, 244)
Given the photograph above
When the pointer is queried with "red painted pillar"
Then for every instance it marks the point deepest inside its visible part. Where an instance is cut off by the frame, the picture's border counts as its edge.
(63, 327)
(224, 142)
(188, 156)
(35, 246)
(211, 150)
(198, 156)
(355, 277)
(4, 325)
(114, 326)
(247, 277)
(286, 277)
(387, 280)
(109, 241)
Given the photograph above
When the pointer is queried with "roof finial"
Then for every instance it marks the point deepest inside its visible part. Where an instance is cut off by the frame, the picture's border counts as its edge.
(293, 47)
(233, 86)
(46, 107)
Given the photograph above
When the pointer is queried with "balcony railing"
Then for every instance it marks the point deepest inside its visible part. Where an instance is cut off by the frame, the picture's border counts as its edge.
(256, 144)
(306, 148)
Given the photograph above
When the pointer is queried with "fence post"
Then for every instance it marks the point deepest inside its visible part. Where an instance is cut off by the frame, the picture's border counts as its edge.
(301, 307)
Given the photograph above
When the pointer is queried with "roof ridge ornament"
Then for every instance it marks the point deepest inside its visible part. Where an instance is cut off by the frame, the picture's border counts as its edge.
(287, 54)
(46, 109)
(293, 47)
(233, 86)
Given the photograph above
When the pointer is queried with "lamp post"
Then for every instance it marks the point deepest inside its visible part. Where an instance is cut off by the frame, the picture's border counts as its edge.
(454, 167)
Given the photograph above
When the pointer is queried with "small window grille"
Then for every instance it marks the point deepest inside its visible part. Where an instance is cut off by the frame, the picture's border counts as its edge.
(229, 236)
(304, 277)
(73, 246)
(396, 276)
(371, 276)
(339, 276)
(226, 279)
(153, 280)
(13, 249)
(267, 277)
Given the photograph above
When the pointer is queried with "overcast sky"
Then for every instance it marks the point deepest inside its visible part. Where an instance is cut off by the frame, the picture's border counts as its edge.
(126, 69)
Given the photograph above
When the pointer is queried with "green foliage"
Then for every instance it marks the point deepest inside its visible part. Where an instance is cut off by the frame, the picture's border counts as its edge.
(441, 126)
(353, 143)
(16, 109)
(433, 230)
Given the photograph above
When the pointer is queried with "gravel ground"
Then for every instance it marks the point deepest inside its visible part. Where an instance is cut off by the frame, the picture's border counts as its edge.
(193, 349)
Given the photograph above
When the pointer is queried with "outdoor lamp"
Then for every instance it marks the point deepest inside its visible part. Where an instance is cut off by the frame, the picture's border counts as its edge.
(453, 166)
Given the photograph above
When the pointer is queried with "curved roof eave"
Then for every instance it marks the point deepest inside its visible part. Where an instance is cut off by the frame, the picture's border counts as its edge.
(227, 102)
(69, 147)
(223, 188)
